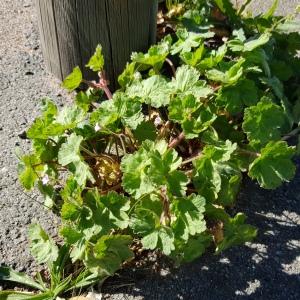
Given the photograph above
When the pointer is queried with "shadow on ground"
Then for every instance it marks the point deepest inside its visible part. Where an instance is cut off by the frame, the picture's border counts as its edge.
(265, 269)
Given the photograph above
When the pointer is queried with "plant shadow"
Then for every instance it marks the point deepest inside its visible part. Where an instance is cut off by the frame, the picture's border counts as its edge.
(267, 268)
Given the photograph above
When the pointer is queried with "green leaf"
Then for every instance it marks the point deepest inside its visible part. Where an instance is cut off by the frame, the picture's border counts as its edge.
(216, 177)
(77, 240)
(153, 91)
(49, 194)
(145, 131)
(70, 116)
(82, 172)
(271, 11)
(236, 232)
(151, 167)
(96, 62)
(106, 116)
(234, 98)
(250, 45)
(121, 109)
(128, 75)
(213, 59)
(110, 252)
(42, 247)
(85, 279)
(70, 151)
(187, 82)
(83, 101)
(43, 130)
(14, 295)
(192, 114)
(28, 171)
(147, 214)
(71, 194)
(275, 84)
(194, 248)
(8, 274)
(236, 45)
(189, 216)
(134, 167)
(146, 222)
(281, 69)
(274, 165)
(229, 77)
(49, 109)
(166, 240)
(155, 57)
(161, 238)
(46, 126)
(288, 27)
(130, 112)
(263, 123)
(193, 58)
(188, 40)
(113, 208)
(74, 80)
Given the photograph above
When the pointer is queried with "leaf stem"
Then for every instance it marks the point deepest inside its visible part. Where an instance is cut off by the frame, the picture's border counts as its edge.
(165, 217)
(177, 141)
(102, 85)
(113, 188)
(291, 134)
(191, 159)
(88, 151)
(170, 63)
(247, 152)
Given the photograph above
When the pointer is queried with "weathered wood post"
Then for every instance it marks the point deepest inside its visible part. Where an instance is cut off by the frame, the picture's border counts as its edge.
(71, 29)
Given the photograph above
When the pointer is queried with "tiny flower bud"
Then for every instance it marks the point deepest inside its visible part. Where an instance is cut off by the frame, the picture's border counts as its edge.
(97, 127)
(45, 180)
(158, 121)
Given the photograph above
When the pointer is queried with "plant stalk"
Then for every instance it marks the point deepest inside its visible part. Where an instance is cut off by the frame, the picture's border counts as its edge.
(177, 141)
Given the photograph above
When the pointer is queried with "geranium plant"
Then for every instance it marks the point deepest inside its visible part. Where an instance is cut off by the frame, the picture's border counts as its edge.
(162, 159)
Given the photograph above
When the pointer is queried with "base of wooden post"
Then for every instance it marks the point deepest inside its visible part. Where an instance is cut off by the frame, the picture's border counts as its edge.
(71, 29)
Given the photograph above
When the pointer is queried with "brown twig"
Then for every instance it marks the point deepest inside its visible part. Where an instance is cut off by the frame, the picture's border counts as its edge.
(113, 188)
(177, 141)
(191, 159)
(165, 218)
(170, 63)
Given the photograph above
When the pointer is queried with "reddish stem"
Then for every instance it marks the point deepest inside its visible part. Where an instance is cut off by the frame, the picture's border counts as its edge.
(107, 92)
(102, 85)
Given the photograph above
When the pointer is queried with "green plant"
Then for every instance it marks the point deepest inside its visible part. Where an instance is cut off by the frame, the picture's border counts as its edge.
(53, 281)
(162, 159)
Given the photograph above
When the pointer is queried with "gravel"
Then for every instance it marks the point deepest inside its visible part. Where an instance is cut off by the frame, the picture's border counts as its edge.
(268, 268)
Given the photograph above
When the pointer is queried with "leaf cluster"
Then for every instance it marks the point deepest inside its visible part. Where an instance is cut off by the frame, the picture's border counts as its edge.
(162, 159)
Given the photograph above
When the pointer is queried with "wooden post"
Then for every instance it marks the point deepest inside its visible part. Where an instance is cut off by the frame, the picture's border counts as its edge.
(71, 29)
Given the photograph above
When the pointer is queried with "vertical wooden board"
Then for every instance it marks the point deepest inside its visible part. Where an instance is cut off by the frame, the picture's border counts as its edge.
(83, 11)
(138, 33)
(100, 34)
(153, 22)
(67, 34)
(49, 26)
(129, 27)
(119, 33)
(42, 33)
(72, 29)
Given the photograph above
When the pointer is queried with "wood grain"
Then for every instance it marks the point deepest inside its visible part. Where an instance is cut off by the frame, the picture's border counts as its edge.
(71, 29)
